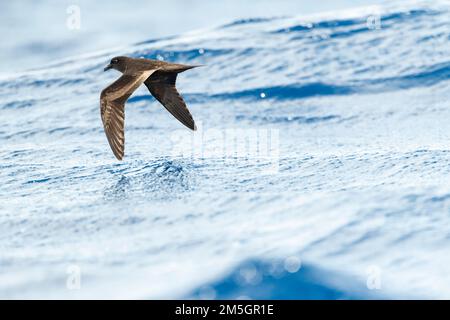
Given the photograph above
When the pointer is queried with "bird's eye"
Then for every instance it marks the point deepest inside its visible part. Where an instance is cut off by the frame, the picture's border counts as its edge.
(114, 61)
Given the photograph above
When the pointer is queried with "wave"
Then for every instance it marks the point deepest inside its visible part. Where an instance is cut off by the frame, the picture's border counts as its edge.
(345, 194)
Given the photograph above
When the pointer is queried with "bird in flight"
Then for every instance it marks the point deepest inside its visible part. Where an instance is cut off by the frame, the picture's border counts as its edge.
(158, 76)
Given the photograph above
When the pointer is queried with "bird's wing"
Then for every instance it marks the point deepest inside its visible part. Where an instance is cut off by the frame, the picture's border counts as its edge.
(161, 85)
(112, 108)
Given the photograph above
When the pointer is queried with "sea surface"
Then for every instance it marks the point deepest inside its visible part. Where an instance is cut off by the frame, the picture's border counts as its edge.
(321, 167)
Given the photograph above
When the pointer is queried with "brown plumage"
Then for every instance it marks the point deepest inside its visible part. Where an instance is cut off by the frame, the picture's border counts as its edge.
(159, 77)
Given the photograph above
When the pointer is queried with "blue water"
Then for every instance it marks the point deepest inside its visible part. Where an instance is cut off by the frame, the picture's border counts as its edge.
(357, 188)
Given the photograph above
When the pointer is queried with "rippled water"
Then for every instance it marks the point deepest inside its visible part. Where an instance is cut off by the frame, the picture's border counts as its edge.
(358, 198)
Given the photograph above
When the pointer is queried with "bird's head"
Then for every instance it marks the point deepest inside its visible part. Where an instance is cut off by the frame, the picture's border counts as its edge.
(118, 63)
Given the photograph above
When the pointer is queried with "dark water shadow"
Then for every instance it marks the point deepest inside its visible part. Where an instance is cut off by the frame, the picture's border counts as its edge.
(259, 279)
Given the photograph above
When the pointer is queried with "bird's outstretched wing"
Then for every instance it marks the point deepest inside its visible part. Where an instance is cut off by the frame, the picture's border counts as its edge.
(112, 108)
(161, 85)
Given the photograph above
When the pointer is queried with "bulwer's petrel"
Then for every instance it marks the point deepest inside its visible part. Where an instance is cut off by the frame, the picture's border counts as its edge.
(158, 76)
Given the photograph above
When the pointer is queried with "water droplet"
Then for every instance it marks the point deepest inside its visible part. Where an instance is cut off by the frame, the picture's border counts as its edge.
(201, 51)
(160, 57)
(292, 264)
(249, 275)
(262, 95)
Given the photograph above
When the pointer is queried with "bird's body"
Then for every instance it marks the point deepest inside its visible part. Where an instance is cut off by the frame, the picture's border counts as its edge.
(158, 76)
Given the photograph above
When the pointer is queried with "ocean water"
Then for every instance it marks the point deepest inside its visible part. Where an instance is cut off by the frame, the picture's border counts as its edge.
(346, 196)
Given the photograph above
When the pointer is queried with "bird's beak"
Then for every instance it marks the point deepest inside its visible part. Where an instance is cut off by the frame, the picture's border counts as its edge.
(107, 67)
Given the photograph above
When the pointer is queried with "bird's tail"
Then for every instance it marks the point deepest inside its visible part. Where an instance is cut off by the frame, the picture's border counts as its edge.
(183, 67)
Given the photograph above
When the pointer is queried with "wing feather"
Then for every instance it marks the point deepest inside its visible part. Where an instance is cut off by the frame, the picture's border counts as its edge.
(162, 86)
(112, 109)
